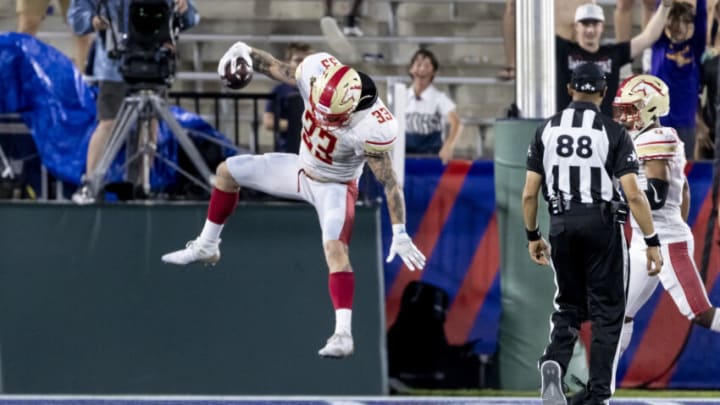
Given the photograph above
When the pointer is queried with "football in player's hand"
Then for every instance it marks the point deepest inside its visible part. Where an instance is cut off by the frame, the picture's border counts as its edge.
(239, 77)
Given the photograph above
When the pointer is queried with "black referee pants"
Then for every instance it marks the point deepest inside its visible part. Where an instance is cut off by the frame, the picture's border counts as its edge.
(589, 256)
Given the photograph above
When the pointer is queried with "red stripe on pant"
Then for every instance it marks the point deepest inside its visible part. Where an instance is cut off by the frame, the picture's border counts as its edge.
(688, 278)
(429, 230)
(350, 199)
(667, 330)
(479, 278)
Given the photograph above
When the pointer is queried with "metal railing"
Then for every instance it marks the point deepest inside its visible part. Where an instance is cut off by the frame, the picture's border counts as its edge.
(218, 110)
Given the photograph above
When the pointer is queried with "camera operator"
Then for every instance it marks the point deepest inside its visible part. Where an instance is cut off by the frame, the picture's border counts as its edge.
(108, 18)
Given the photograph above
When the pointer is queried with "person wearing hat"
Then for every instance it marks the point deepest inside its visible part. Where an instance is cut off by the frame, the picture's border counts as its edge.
(576, 157)
(589, 25)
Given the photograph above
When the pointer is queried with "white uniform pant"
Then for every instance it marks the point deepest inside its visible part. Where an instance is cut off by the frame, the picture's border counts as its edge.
(679, 276)
(280, 175)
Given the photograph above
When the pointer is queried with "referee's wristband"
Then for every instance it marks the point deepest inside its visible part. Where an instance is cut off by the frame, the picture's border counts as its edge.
(532, 236)
(652, 240)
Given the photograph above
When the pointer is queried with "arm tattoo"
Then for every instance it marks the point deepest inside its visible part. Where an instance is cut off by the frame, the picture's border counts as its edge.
(267, 64)
(382, 168)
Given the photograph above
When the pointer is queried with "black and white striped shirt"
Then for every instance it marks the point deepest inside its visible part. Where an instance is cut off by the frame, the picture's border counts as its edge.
(581, 153)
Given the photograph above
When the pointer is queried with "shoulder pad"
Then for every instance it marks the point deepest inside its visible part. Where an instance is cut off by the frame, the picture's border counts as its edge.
(657, 143)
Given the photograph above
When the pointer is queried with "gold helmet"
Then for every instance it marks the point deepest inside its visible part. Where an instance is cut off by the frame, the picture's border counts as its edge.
(335, 95)
(640, 101)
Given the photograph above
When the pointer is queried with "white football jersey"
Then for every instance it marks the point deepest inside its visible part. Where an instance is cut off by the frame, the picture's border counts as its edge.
(663, 143)
(339, 154)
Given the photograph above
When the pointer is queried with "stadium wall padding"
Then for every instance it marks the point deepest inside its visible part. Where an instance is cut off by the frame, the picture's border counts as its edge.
(86, 306)
(527, 289)
(451, 217)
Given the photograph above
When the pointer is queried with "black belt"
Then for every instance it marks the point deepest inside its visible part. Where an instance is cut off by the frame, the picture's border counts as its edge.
(617, 210)
(569, 205)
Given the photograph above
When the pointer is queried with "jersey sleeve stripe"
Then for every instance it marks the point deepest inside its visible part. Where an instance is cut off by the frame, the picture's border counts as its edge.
(381, 143)
(657, 157)
(666, 149)
(657, 143)
(379, 146)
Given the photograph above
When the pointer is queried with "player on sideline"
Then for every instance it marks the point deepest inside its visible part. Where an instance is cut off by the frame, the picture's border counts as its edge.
(640, 102)
(345, 124)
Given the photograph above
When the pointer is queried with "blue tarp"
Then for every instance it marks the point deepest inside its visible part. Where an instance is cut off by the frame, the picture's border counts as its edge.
(42, 85)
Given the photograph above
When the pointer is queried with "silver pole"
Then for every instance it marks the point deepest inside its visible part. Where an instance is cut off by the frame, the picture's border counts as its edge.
(535, 57)
(397, 96)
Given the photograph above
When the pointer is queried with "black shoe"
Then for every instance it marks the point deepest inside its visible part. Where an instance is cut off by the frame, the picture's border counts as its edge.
(578, 398)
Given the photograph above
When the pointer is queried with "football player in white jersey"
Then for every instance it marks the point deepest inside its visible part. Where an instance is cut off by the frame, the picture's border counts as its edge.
(345, 124)
(640, 101)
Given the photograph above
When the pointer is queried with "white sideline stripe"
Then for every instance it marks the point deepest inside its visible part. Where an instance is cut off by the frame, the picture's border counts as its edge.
(339, 399)
(433, 399)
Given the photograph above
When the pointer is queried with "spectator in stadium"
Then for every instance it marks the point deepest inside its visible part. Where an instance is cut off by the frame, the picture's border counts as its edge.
(676, 59)
(707, 116)
(639, 104)
(577, 157)
(564, 11)
(31, 14)
(84, 18)
(508, 29)
(345, 125)
(589, 24)
(624, 20)
(287, 106)
(351, 21)
(428, 110)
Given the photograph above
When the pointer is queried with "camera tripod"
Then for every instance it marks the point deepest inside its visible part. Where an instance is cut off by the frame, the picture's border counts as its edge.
(7, 170)
(139, 110)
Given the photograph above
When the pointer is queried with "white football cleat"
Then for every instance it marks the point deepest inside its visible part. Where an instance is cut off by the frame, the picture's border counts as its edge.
(83, 196)
(551, 380)
(197, 250)
(338, 346)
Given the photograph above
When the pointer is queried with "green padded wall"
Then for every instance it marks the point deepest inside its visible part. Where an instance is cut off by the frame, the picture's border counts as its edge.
(527, 289)
(86, 306)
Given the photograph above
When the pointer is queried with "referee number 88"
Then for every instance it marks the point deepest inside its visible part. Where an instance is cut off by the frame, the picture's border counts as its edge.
(566, 146)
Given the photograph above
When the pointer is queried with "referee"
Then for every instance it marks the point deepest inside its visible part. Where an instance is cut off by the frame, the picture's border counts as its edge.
(576, 157)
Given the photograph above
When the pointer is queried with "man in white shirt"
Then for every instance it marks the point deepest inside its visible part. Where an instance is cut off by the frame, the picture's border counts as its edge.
(427, 110)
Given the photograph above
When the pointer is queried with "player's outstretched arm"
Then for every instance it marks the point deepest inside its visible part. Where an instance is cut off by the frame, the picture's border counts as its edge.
(381, 166)
(272, 67)
(259, 60)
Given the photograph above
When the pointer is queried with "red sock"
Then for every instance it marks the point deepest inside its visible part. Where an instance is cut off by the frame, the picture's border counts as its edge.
(342, 288)
(222, 205)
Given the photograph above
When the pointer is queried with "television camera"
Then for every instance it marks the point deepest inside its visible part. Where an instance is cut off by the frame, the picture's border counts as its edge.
(147, 64)
(147, 49)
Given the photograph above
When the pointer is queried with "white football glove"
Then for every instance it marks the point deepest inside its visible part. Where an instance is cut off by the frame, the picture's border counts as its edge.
(238, 50)
(404, 247)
